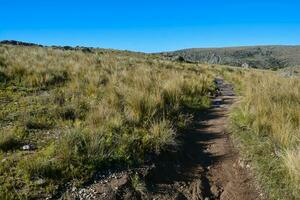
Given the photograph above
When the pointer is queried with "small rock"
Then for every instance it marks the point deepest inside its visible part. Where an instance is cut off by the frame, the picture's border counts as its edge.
(40, 181)
(241, 163)
(28, 147)
(261, 194)
(45, 94)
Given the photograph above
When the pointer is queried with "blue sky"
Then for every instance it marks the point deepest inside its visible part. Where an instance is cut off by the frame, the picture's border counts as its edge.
(151, 26)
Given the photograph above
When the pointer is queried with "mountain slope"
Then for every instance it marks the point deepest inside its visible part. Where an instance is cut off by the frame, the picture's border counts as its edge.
(256, 56)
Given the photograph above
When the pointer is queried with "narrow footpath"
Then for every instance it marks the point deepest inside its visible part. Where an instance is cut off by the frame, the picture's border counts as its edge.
(206, 166)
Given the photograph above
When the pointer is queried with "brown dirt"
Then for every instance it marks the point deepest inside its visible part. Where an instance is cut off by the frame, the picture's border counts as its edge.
(205, 165)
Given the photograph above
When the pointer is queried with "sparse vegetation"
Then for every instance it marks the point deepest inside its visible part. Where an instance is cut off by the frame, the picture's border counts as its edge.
(84, 112)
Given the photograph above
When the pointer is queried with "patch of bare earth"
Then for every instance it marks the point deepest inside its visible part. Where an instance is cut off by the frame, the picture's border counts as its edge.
(205, 165)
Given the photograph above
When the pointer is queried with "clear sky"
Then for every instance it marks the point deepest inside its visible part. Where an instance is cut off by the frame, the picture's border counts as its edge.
(151, 25)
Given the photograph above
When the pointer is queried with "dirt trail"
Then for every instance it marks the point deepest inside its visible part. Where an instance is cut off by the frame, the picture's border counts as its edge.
(206, 167)
(209, 167)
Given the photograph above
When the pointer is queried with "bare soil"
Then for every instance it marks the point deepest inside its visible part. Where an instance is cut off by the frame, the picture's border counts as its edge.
(204, 166)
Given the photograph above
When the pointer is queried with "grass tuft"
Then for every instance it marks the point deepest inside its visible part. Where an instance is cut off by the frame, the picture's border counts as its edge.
(9, 140)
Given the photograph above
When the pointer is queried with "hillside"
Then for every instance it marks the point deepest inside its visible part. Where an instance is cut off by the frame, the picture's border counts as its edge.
(67, 114)
(256, 56)
(89, 123)
(263, 57)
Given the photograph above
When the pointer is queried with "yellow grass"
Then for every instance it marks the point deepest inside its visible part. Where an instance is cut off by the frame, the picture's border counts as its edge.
(87, 111)
(270, 108)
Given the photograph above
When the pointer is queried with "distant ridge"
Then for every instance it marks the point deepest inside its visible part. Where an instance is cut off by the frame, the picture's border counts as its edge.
(267, 57)
(72, 48)
(28, 44)
(15, 42)
(273, 56)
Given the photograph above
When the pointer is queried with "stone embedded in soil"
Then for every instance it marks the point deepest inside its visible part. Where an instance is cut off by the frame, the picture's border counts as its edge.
(28, 147)
(107, 188)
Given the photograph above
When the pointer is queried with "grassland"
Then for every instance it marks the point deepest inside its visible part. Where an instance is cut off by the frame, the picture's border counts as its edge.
(66, 114)
(266, 124)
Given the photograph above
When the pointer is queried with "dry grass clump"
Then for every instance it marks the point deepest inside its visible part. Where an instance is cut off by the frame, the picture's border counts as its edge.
(162, 130)
(84, 112)
(292, 162)
(274, 104)
(8, 140)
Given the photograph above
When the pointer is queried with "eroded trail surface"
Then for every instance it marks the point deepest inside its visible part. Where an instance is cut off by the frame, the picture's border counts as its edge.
(206, 167)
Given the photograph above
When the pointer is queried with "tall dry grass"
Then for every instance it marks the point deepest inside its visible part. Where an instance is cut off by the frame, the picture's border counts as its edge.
(84, 112)
(270, 108)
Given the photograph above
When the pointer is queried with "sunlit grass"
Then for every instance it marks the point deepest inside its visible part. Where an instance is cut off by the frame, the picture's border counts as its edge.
(269, 109)
(84, 112)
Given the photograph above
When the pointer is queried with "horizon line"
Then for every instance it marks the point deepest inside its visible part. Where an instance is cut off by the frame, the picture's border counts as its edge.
(31, 43)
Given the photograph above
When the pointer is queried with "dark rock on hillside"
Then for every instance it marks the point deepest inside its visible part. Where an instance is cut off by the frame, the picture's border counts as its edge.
(77, 48)
(14, 42)
(257, 56)
(70, 48)
(180, 59)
